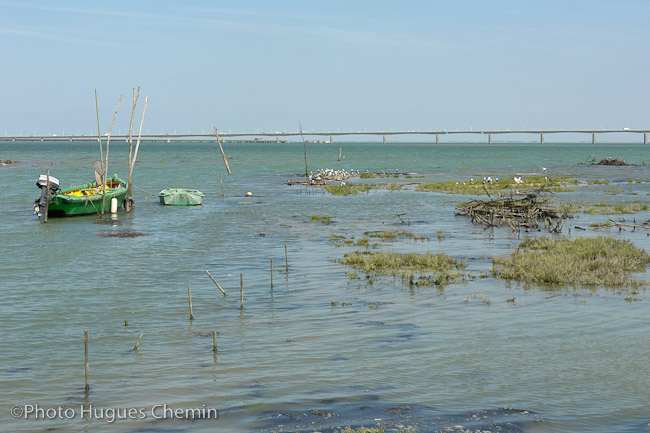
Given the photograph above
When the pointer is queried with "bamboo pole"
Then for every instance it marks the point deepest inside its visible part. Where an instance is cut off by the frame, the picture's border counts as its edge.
(271, 275)
(241, 291)
(86, 359)
(99, 134)
(137, 343)
(221, 148)
(108, 141)
(225, 211)
(137, 145)
(214, 341)
(129, 192)
(215, 282)
(47, 197)
(189, 297)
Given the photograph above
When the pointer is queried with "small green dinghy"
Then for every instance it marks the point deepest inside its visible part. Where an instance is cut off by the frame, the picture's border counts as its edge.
(181, 197)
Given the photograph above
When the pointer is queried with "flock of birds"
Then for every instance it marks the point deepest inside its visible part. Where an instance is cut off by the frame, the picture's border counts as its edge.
(323, 174)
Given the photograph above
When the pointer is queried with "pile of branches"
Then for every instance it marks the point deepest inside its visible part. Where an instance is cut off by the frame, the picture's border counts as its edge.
(528, 212)
(611, 161)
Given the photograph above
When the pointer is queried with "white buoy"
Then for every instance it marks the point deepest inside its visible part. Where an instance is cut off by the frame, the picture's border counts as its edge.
(113, 205)
(249, 194)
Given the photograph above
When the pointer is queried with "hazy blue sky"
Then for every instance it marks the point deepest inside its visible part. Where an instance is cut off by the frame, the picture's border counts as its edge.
(265, 65)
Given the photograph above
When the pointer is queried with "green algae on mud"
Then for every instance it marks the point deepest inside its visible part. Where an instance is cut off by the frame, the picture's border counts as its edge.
(581, 262)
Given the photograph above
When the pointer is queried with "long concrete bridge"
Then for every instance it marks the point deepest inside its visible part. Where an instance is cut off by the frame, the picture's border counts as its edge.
(277, 135)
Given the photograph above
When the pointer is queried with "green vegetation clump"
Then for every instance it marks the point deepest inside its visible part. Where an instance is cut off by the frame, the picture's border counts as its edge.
(588, 262)
(608, 209)
(386, 262)
(390, 234)
(363, 242)
(601, 225)
(434, 269)
(349, 188)
(465, 187)
(367, 176)
(325, 219)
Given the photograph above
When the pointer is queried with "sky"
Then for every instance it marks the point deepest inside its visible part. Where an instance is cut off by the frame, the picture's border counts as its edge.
(260, 66)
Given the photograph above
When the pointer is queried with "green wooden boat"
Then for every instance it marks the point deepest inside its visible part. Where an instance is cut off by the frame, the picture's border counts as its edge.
(181, 197)
(80, 200)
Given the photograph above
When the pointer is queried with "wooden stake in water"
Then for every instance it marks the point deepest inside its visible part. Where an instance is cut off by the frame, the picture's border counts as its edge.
(271, 275)
(214, 341)
(241, 291)
(126, 323)
(221, 148)
(286, 259)
(137, 343)
(215, 282)
(189, 297)
(86, 359)
(47, 197)
(223, 194)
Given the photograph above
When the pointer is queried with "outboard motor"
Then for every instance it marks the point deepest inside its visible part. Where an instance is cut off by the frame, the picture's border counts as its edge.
(39, 204)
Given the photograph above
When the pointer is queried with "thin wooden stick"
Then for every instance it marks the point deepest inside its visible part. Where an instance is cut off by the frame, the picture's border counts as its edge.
(221, 148)
(126, 322)
(215, 282)
(271, 275)
(99, 134)
(137, 145)
(241, 291)
(86, 359)
(189, 297)
(137, 343)
(108, 141)
(135, 100)
(47, 197)
(214, 341)
(223, 194)
(286, 258)
(263, 213)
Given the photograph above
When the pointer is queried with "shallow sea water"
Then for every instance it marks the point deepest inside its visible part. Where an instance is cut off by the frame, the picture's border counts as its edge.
(557, 360)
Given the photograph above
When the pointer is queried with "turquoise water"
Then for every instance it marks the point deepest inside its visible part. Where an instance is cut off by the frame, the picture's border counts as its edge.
(563, 360)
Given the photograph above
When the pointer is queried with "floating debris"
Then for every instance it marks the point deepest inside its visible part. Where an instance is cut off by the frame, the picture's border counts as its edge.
(123, 234)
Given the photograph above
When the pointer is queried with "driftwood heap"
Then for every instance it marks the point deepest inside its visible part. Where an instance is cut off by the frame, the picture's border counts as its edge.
(528, 212)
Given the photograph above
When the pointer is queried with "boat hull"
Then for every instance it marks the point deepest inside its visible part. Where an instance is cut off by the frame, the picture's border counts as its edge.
(181, 197)
(86, 199)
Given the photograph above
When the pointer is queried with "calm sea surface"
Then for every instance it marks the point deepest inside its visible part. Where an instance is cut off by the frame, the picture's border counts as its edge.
(554, 361)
